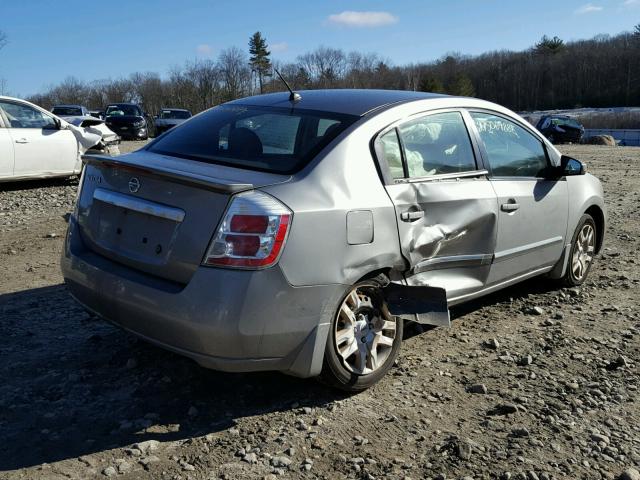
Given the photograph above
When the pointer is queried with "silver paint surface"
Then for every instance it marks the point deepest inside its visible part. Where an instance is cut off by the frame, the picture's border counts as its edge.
(347, 224)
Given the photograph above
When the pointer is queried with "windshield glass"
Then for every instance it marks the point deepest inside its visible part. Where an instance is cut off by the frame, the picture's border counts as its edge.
(121, 110)
(67, 111)
(178, 114)
(279, 140)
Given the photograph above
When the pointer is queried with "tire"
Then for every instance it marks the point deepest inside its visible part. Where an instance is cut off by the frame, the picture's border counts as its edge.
(374, 333)
(583, 245)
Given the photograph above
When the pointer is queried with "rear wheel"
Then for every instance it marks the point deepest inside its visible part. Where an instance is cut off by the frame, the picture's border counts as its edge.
(583, 249)
(364, 340)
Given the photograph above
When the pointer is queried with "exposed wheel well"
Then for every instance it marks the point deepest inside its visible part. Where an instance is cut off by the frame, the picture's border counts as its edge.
(598, 217)
(375, 273)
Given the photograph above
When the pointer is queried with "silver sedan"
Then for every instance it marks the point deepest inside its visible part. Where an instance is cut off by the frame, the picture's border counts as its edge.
(298, 232)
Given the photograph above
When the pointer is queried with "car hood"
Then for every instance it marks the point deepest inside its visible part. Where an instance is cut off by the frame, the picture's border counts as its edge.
(95, 126)
(85, 137)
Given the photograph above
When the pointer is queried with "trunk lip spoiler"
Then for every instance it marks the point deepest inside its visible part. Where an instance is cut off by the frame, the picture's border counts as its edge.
(185, 178)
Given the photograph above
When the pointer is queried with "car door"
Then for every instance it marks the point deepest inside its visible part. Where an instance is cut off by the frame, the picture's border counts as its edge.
(40, 148)
(532, 222)
(6, 152)
(445, 206)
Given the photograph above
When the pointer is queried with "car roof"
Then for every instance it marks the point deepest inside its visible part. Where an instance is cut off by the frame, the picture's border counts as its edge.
(175, 109)
(121, 104)
(346, 101)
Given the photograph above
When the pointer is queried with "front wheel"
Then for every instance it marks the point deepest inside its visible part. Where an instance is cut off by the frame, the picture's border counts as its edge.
(583, 248)
(364, 340)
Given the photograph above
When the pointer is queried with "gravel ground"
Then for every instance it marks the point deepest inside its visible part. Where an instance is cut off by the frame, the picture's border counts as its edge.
(533, 382)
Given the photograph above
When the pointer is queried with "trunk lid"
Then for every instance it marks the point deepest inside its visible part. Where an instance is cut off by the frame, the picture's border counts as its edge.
(156, 213)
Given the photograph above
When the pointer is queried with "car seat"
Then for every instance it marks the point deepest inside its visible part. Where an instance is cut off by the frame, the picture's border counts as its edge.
(244, 143)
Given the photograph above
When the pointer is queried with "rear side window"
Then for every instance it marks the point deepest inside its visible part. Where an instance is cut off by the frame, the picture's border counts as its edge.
(278, 140)
(437, 144)
(511, 150)
(389, 148)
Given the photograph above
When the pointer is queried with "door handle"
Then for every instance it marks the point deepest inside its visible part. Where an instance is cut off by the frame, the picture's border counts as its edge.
(22, 140)
(511, 206)
(411, 216)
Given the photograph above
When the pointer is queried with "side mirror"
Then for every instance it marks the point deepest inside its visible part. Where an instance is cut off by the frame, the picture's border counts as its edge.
(571, 166)
(57, 125)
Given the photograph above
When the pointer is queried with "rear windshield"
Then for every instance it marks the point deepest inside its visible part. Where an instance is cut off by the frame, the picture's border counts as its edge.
(67, 111)
(178, 114)
(278, 140)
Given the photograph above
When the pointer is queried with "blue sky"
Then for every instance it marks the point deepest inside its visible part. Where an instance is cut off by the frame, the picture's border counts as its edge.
(98, 39)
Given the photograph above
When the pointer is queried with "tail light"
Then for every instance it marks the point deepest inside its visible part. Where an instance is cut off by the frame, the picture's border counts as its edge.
(252, 233)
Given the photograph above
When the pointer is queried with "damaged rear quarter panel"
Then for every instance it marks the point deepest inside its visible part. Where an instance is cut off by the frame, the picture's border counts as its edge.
(341, 180)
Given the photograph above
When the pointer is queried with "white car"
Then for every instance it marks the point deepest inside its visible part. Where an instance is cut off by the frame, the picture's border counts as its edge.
(35, 143)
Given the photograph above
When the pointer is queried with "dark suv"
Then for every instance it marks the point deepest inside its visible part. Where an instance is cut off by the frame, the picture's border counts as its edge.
(127, 120)
(560, 128)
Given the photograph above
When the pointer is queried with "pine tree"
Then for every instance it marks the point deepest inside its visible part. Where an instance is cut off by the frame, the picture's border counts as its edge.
(462, 86)
(548, 45)
(259, 60)
(431, 84)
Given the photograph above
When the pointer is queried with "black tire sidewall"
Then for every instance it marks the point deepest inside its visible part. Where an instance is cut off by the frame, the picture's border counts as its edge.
(569, 278)
(336, 374)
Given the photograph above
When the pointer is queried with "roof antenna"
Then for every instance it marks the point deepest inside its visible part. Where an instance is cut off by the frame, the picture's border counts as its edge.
(293, 96)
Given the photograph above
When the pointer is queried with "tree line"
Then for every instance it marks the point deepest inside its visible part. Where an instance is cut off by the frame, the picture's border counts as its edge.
(600, 72)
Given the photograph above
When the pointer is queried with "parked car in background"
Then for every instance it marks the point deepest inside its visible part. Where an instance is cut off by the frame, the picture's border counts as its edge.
(127, 120)
(35, 143)
(560, 128)
(298, 232)
(97, 113)
(70, 111)
(170, 117)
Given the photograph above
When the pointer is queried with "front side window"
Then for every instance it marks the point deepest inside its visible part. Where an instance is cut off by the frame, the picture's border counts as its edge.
(437, 144)
(511, 150)
(24, 116)
(279, 140)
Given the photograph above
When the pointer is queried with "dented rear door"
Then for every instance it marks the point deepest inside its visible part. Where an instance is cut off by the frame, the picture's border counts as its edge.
(445, 205)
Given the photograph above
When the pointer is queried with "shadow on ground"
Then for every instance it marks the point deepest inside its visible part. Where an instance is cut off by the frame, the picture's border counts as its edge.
(71, 384)
(37, 184)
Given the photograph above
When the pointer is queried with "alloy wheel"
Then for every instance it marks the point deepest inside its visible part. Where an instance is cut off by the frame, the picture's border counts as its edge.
(583, 251)
(363, 337)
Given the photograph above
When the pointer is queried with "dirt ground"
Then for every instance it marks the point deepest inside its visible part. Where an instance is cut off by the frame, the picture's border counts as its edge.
(509, 392)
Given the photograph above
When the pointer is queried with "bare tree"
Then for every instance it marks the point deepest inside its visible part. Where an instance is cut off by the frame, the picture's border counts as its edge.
(602, 71)
(3, 39)
(149, 91)
(205, 77)
(236, 74)
(326, 66)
